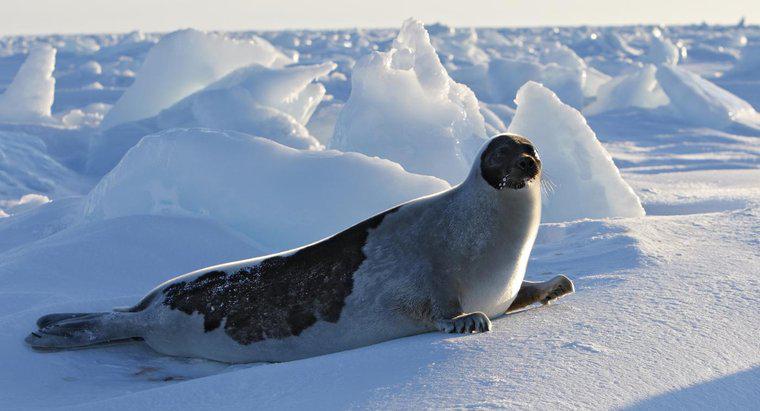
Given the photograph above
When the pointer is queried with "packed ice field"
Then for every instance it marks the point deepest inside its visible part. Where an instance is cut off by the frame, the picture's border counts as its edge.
(127, 159)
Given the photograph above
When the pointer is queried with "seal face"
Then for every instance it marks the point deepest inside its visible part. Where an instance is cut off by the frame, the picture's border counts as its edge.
(509, 161)
(280, 296)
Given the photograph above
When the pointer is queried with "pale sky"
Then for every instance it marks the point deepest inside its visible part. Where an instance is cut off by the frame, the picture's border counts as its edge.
(93, 16)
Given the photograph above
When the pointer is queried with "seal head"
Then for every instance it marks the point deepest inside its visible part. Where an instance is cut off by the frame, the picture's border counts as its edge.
(509, 161)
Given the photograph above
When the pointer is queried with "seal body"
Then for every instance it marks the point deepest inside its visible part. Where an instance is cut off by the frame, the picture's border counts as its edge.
(448, 261)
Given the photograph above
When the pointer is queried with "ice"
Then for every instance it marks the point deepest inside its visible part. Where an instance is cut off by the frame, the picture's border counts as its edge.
(25, 203)
(404, 107)
(278, 196)
(675, 92)
(88, 116)
(636, 89)
(700, 102)
(26, 167)
(322, 124)
(494, 123)
(662, 50)
(91, 68)
(184, 62)
(459, 46)
(587, 182)
(29, 97)
(748, 64)
(271, 103)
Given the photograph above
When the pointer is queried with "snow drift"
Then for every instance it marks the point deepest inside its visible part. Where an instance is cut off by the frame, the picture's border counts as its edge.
(29, 98)
(184, 62)
(588, 184)
(405, 107)
(278, 196)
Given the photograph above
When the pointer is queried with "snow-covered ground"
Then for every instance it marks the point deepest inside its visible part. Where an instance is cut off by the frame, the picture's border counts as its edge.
(650, 137)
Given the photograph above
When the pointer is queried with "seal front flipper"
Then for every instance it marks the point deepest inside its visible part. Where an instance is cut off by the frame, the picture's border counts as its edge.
(465, 323)
(560, 286)
(541, 292)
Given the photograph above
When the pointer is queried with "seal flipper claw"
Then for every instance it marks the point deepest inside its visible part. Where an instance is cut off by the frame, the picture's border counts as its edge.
(465, 324)
(561, 287)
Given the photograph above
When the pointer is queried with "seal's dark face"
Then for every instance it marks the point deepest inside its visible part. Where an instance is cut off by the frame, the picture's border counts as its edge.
(509, 161)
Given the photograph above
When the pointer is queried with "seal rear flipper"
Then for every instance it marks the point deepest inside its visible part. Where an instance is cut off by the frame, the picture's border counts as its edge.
(46, 320)
(78, 330)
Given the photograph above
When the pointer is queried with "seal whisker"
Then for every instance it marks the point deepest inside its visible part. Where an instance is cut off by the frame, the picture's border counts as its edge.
(547, 185)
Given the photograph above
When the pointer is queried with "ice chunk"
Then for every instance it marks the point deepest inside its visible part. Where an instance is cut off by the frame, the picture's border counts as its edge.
(405, 107)
(562, 55)
(184, 62)
(25, 203)
(278, 196)
(588, 184)
(29, 97)
(291, 90)
(89, 116)
(637, 89)
(698, 101)
(270, 103)
(662, 50)
(91, 68)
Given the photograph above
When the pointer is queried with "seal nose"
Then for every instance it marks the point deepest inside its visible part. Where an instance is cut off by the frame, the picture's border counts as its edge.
(523, 163)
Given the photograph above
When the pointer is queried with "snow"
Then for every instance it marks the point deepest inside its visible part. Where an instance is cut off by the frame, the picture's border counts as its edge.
(184, 62)
(279, 197)
(584, 182)
(405, 107)
(91, 217)
(29, 97)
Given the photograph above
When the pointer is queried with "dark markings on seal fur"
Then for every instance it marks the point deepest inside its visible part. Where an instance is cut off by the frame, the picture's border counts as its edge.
(280, 296)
